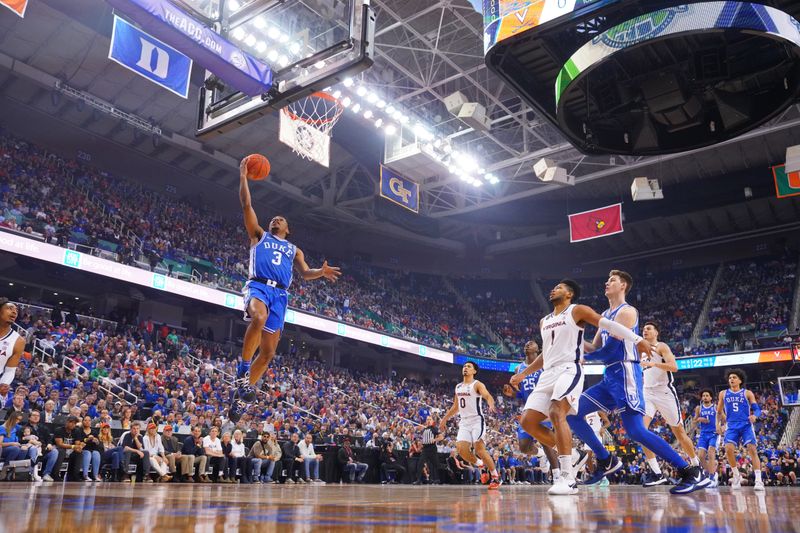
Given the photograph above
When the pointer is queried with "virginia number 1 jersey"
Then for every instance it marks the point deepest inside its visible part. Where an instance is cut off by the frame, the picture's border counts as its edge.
(562, 339)
(272, 258)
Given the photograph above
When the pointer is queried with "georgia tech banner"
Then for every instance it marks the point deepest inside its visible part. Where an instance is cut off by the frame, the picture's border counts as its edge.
(399, 190)
(17, 6)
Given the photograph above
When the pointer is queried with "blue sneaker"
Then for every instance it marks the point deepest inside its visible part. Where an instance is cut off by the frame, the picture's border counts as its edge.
(245, 391)
(612, 465)
(692, 479)
(652, 479)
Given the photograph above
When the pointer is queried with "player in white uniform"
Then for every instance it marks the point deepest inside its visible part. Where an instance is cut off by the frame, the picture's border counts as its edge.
(472, 424)
(11, 345)
(660, 396)
(560, 386)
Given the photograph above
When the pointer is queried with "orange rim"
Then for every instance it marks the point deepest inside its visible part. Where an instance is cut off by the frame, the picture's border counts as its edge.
(322, 96)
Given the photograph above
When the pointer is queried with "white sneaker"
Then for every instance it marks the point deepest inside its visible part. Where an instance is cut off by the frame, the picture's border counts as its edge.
(736, 482)
(47, 478)
(35, 474)
(759, 486)
(564, 487)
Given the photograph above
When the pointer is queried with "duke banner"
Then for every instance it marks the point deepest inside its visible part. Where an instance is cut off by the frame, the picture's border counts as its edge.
(786, 184)
(399, 190)
(150, 58)
(17, 6)
(596, 223)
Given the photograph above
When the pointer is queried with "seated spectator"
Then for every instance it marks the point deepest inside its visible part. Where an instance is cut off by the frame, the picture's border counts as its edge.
(262, 462)
(390, 463)
(133, 449)
(45, 440)
(171, 449)
(292, 459)
(461, 471)
(227, 450)
(193, 453)
(12, 448)
(238, 458)
(67, 440)
(352, 470)
(155, 450)
(91, 450)
(311, 459)
(110, 453)
(212, 447)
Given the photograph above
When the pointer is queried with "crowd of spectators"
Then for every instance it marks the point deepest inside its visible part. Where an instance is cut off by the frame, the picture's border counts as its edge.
(68, 202)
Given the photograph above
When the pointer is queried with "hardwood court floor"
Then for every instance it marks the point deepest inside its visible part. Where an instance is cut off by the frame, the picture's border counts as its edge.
(143, 508)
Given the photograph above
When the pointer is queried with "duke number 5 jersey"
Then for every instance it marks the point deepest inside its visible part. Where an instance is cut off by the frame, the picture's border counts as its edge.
(272, 259)
(737, 410)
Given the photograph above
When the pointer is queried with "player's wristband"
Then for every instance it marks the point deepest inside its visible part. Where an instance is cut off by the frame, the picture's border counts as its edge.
(618, 330)
(755, 409)
(8, 375)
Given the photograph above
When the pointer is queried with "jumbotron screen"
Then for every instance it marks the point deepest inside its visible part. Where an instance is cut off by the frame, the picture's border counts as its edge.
(505, 18)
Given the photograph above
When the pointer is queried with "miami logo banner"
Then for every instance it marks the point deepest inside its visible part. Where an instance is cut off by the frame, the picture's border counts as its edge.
(786, 184)
(594, 224)
(17, 6)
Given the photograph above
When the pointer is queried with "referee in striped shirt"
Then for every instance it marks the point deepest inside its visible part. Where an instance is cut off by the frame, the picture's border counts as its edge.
(430, 436)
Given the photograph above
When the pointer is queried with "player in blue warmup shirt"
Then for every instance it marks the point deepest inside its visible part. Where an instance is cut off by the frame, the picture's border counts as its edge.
(738, 409)
(272, 262)
(527, 444)
(622, 390)
(705, 415)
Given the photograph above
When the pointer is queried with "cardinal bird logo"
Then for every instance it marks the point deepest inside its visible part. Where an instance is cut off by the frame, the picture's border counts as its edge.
(598, 224)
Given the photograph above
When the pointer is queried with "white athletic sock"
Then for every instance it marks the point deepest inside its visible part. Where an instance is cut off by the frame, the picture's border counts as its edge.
(565, 462)
(494, 473)
(758, 475)
(695, 461)
(653, 463)
(556, 473)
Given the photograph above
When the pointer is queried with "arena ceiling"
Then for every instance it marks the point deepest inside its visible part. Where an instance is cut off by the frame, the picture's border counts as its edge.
(424, 51)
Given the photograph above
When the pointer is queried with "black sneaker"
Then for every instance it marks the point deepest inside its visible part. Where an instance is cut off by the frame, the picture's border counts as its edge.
(245, 391)
(692, 479)
(652, 479)
(236, 410)
(583, 456)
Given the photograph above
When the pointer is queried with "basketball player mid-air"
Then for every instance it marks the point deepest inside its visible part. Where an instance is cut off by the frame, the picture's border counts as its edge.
(527, 444)
(660, 396)
(11, 345)
(737, 407)
(472, 425)
(272, 260)
(705, 415)
(561, 382)
(621, 390)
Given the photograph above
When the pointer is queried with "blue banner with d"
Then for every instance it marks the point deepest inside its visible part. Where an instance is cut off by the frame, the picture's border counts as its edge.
(399, 190)
(150, 58)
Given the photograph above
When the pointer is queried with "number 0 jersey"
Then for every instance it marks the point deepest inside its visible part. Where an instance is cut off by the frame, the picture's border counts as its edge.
(470, 403)
(272, 258)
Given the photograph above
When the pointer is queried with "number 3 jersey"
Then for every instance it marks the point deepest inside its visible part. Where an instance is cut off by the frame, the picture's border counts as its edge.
(272, 258)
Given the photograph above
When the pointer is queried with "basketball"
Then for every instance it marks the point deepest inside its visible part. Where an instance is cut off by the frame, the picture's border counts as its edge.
(257, 167)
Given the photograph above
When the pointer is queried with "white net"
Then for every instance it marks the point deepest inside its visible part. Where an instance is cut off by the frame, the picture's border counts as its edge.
(306, 126)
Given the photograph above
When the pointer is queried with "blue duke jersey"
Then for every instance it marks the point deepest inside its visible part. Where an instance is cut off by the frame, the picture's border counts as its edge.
(737, 410)
(528, 384)
(629, 352)
(271, 267)
(710, 413)
(272, 259)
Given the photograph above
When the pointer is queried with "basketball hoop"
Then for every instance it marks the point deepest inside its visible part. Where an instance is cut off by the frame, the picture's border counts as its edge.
(306, 126)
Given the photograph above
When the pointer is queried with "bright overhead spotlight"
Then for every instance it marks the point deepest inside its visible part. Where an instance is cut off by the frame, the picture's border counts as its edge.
(361, 91)
(295, 48)
(233, 5)
(337, 94)
(273, 55)
(283, 61)
(391, 129)
(261, 47)
(379, 123)
(319, 65)
(481, 171)
(356, 108)
(477, 183)
(238, 33)
(403, 119)
(283, 38)
(273, 33)
(260, 23)
(348, 82)
(346, 101)
(381, 104)
(390, 110)
(251, 40)
(368, 114)
(437, 143)
(372, 98)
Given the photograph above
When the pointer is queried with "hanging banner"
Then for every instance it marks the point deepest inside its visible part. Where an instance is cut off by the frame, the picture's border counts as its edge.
(17, 6)
(596, 223)
(786, 184)
(399, 190)
(150, 58)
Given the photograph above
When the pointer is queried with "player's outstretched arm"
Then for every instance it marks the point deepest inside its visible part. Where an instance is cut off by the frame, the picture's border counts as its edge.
(330, 273)
(670, 364)
(481, 389)
(254, 231)
(621, 329)
(517, 378)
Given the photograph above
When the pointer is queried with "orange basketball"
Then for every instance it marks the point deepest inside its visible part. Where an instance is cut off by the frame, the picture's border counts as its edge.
(257, 167)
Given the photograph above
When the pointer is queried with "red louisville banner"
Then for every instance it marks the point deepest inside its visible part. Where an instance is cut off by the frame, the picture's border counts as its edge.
(17, 6)
(596, 223)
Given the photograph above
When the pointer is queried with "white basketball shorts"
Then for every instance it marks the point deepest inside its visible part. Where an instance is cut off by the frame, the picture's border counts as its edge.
(665, 401)
(557, 383)
(471, 430)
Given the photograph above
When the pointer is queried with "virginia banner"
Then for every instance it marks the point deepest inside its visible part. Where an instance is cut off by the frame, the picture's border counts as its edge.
(597, 223)
(150, 58)
(17, 6)
(786, 184)
(399, 190)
